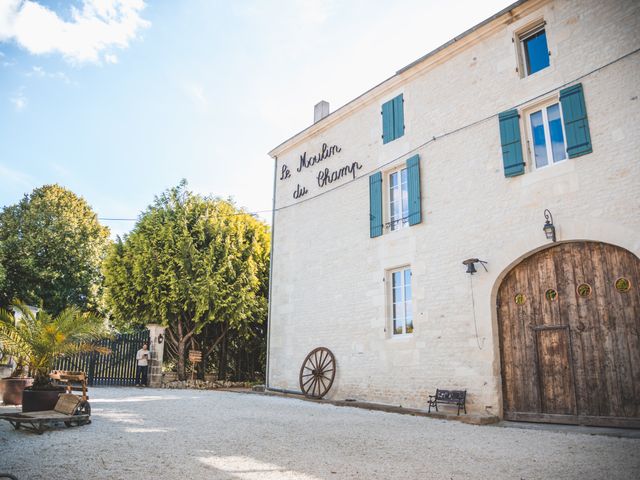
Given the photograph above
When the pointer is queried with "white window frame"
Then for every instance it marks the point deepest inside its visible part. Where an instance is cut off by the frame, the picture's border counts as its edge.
(392, 224)
(407, 306)
(542, 106)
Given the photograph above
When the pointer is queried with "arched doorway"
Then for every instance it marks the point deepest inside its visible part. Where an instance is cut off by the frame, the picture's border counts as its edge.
(569, 324)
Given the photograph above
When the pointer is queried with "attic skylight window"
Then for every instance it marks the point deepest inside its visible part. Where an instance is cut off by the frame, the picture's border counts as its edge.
(535, 51)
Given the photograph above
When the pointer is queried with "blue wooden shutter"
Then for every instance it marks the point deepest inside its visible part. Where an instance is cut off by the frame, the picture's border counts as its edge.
(387, 122)
(576, 124)
(413, 184)
(511, 143)
(375, 205)
(398, 116)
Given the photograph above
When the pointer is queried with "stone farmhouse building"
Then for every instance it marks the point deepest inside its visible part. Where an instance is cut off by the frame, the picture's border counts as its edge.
(513, 147)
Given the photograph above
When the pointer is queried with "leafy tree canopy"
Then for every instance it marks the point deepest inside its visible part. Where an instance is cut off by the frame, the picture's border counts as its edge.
(51, 250)
(189, 261)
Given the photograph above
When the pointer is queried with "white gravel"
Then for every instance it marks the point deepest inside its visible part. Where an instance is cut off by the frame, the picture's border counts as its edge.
(186, 434)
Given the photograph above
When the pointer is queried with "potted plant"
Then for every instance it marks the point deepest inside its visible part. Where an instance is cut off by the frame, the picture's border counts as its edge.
(36, 340)
(11, 387)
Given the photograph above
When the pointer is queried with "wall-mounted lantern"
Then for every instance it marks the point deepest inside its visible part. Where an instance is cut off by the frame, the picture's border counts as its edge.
(549, 228)
(160, 338)
(471, 267)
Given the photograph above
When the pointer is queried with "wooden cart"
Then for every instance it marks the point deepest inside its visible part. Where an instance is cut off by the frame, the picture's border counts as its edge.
(70, 410)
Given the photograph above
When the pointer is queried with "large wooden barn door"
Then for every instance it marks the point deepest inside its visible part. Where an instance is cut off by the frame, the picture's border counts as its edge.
(569, 320)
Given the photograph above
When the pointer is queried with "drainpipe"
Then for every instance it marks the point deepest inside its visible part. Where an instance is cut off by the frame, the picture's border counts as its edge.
(273, 224)
(283, 390)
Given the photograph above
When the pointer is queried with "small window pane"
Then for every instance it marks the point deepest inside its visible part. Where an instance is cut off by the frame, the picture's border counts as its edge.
(397, 327)
(405, 197)
(555, 130)
(539, 144)
(409, 322)
(407, 285)
(398, 199)
(407, 301)
(395, 201)
(394, 179)
(402, 315)
(536, 52)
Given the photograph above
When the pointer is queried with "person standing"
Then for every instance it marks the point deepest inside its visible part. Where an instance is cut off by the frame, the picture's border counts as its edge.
(143, 356)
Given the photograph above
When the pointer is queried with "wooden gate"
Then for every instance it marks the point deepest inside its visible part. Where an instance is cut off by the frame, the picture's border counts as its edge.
(115, 368)
(569, 322)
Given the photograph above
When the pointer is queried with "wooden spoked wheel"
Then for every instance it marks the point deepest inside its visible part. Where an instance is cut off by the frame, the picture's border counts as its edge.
(83, 409)
(317, 372)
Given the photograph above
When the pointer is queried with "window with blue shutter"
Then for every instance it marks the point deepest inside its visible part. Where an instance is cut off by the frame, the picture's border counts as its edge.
(536, 51)
(375, 205)
(576, 124)
(393, 119)
(413, 187)
(511, 143)
(398, 116)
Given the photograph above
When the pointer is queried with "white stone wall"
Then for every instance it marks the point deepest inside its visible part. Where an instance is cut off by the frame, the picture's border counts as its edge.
(328, 287)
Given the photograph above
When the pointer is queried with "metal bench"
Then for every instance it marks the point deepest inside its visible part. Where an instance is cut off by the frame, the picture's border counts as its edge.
(450, 397)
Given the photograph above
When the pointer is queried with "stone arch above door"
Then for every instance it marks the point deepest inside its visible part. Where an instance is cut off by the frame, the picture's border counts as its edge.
(569, 328)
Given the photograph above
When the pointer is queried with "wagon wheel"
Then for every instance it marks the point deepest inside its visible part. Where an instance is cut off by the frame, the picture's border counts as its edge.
(83, 409)
(317, 372)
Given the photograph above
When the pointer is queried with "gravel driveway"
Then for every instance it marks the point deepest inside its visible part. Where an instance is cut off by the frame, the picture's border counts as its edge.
(186, 434)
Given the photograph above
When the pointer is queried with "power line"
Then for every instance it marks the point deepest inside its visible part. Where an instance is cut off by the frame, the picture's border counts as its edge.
(117, 219)
(422, 145)
(456, 130)
(222, 215)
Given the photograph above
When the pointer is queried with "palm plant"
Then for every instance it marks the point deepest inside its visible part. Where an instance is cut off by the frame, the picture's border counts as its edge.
(37, 340)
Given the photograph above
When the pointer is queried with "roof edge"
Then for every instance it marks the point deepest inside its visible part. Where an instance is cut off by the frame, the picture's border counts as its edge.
(351, 105)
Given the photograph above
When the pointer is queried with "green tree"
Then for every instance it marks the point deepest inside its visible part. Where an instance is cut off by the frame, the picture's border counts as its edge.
(189, 262)
(51, 250)
(3, 275)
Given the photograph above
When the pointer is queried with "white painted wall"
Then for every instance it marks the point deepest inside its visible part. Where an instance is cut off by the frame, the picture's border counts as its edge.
(328, 287)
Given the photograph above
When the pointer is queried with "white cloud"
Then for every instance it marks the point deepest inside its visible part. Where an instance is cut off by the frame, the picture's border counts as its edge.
(19, 100)
(99, 25)
(37, 71)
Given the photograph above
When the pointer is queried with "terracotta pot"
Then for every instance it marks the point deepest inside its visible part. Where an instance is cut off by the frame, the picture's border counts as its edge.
(12, 388)
(38, 400)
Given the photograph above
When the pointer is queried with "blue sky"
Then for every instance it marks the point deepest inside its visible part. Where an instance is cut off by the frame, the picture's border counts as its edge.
(120, 99)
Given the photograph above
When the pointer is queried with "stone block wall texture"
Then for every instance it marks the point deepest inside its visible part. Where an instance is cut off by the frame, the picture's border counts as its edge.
(328, 285)
(157, 354)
